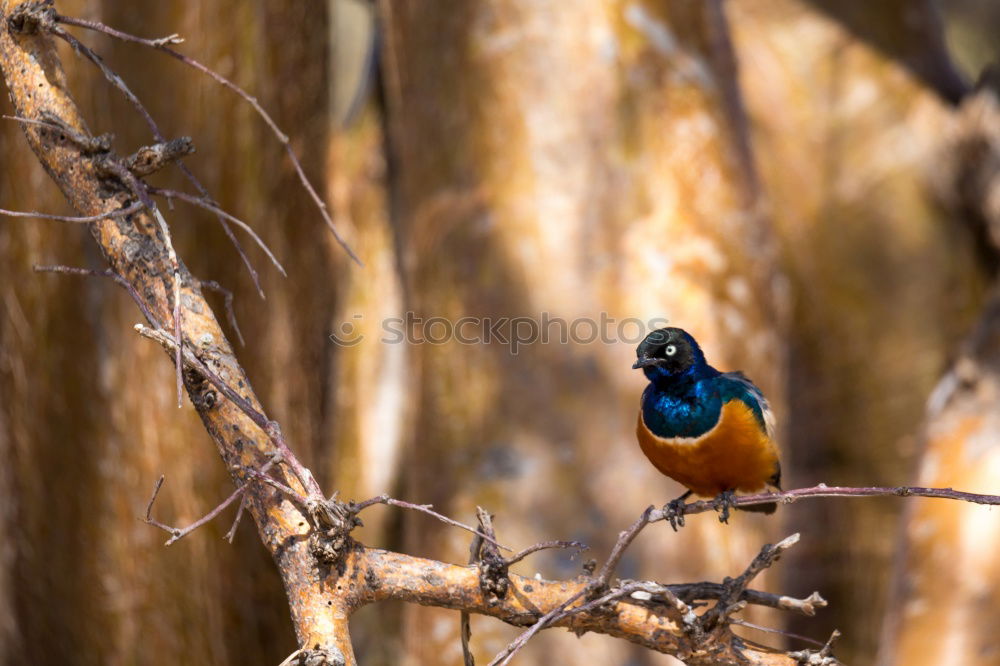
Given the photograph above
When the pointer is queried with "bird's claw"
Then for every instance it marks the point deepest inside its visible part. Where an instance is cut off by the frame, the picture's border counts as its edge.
(722, 503)
(674, 510)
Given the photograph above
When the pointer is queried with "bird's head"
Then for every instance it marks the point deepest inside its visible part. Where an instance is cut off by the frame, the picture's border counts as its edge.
(667, 352)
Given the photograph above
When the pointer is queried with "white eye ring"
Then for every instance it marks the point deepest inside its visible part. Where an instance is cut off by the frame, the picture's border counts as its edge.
(670, 350)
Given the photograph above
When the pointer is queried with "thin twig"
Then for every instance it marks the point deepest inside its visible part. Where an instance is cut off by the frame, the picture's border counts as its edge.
(108, 273)
(33, 121)
(83, 272)
(178, 335)
(689, 619)
(624, 540)
(270, 428)
(119, 83)
(177, 532)
(578, 545)
(288, 491)
(612, 595)
(690, 592)
(290, 659)
(230, 312)
(508, 653)
(464, 619)
(357, 507)
(731, 600)
(771, 630)
(161, 45)
(208, 205)
(824, 657)
(231, 534)
(822, 490)
(121, 212)
(110, 75)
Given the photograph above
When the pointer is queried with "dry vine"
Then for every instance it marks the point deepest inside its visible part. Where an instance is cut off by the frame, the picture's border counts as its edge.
(308, 534)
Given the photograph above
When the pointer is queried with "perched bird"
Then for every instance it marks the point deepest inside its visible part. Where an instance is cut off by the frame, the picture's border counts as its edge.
(708, 430)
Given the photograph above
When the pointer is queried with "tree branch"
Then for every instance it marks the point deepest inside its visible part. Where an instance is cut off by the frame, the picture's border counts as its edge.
(161, 44)
(823, 490)
(652, 624)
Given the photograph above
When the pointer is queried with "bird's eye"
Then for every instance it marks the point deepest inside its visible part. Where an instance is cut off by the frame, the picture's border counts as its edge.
(670, 350)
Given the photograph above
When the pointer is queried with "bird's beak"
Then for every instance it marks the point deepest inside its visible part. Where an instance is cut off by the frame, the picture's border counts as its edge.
(643, 363)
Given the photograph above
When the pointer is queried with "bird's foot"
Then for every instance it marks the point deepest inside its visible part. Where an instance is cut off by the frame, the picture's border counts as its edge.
(722, 503)
(674, 510)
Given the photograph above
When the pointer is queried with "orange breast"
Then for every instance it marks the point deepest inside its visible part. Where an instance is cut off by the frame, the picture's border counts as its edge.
(734, 455)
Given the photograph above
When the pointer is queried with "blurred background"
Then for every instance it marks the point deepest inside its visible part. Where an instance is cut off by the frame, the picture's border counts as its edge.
(809, 187)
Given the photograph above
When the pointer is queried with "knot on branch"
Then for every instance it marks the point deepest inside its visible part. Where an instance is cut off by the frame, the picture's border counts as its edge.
(493, 580)
(333, 522)
(150, 159)
(201, 391)
(493, 567)
(32, 18)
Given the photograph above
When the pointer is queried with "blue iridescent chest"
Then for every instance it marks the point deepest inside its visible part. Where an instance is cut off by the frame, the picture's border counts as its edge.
(690, 405)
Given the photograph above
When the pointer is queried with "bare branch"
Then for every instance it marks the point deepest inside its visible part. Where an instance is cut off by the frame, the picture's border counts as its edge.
(689, 592)
(423, 508)
(178, 533)
(209, 205)
(731, 599)
(546, 545)
(231, 534)
(150, 159)
(772, 630)
(161, 45)
(822, 658)
(230, 312)
(823, 490)
(624, 540)
(119, 280)
(48, 16)
(656, 624)
(122, 212)
(33, 75)
(270, 428)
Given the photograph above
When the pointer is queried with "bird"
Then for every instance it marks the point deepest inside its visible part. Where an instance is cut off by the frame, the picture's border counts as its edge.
(711, 431)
